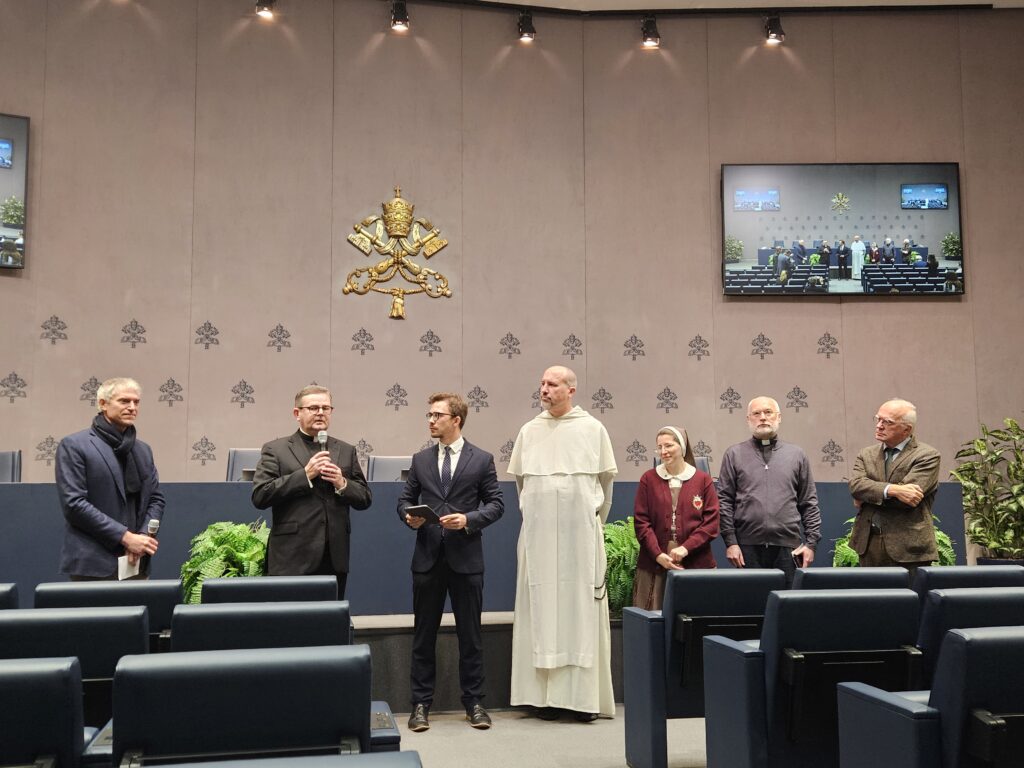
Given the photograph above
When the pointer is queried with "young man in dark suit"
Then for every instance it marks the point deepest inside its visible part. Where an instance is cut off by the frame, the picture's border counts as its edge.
(310, 491)
(458, 482)
(108, 487)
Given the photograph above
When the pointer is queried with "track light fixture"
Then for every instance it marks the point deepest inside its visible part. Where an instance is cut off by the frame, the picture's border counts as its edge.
(265, 8)
(649, 32)
(526, 31)
(773, 30)
(399, 16)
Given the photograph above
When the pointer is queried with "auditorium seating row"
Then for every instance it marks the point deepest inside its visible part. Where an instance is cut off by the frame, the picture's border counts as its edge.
(771, 654)
(763, 280)
(277, 658)
(883, 279)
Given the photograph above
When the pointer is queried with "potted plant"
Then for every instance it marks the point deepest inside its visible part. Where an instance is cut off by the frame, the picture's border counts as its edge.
(12, 212)
(621, 548)
(952, 248)
(991, 476)
(844, 556)
(733, 249)
(224, 549)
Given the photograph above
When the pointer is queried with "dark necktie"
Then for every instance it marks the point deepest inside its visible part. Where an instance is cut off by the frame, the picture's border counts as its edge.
(890, 454)
(446, 470)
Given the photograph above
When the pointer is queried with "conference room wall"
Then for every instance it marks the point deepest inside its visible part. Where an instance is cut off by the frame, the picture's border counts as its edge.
(193, 164)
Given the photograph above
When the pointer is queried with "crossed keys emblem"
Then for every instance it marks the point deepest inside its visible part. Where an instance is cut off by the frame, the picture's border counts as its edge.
(390, 237)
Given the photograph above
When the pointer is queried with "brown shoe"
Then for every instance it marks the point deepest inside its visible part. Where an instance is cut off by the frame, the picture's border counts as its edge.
(478, 717)
(419, 720)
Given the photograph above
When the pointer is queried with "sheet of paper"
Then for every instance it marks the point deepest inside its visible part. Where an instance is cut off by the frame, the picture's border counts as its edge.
(126, 570)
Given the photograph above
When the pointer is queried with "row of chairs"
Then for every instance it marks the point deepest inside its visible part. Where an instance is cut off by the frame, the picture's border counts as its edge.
(242, 466)
(665, 660)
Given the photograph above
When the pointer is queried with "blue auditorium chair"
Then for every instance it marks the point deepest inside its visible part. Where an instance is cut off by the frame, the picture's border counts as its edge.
(10, 466)
(946, 609)
(663, 675)
(972, 716)
(99, 637)
(851, 578)
(241, 460)
(8, 596)
(960, 576)
(387, 468)
(263, 589)
(773, 701)
(222, 626)
(158, 595)
(252, 703)
(41, 712)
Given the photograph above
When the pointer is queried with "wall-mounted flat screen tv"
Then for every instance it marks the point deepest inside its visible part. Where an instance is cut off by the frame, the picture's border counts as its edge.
(13, 188)
(847, 229)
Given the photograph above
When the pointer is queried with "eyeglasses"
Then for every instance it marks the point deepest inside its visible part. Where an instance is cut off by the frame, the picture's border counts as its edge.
(759, 414)
(317, 408)
(434, 415)
(886, 422)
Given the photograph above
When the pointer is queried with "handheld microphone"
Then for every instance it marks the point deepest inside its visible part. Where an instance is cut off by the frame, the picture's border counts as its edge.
(321, 437)
(152, 529)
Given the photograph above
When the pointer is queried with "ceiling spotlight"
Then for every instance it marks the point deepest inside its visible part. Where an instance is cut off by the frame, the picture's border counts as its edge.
(773, 30)
(265, 8)
(649, 32)
(526, 31)
(399, 16)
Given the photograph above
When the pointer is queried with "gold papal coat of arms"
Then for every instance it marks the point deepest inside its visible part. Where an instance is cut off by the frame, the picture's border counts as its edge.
(390, 237)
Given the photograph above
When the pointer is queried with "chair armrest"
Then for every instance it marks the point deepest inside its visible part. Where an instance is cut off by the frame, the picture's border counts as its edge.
(643, 687)
(384, 733)
(875, 725)
(734, 704)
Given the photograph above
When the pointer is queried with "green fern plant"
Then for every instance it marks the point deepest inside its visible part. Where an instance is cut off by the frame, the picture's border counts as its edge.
(621, 548)
(844, 556)
(224, 549)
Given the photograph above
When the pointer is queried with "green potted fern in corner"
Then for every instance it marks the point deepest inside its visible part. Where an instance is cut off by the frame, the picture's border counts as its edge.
(621, 548)
(844, 556)
(991, 476)
(224, 549)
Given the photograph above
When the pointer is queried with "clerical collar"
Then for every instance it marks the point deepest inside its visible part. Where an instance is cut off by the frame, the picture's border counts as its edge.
(305, 437)
(760, 443)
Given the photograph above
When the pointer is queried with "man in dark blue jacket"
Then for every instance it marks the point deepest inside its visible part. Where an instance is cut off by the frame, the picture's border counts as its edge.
(108, 488)
(458, 482)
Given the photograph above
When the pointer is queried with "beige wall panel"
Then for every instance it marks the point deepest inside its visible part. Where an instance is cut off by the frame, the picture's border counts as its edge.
(263, 221)
(993, 177)
(22, 60)
(115, 202)
(397, 122)
(525, 266)
(650, 270)
(896, 100)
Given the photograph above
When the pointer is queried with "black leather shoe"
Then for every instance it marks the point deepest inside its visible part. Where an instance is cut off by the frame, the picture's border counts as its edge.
(585, 717)
(478, 717)
(548, 713)
(419, 720)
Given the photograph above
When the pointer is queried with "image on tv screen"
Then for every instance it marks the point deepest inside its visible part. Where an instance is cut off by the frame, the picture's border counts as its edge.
(848, 229)
(6, 153)
(924, 197)
(756, 200)
(13, 190)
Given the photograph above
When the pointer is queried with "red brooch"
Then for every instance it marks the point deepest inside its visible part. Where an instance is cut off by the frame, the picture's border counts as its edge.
(698, 503)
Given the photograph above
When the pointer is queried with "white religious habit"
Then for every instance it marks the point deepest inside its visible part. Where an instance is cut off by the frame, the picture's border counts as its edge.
(561, 641)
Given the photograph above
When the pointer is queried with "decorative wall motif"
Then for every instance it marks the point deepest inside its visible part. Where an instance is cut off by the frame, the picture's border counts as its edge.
(53, 329)
(634, 348)
(430, 343)
(702, 449)
(509, 345)
(170, 392)
(796, 398)
(243, 393)
(762, 346)
(89, 389)
(396, 397)
(535, 399)
(134, 333)
(828, 345)
(363, 341)
(204, 451)
(637, 453)
(13, 386)
(667, 400)
(506, 452)
(363, 451)
(47, 450)
(206, 334)
(572, 346)
(832, 453)
(699, 348)
(279, 336)
(731, 400)
(477, 398)
(602, 400)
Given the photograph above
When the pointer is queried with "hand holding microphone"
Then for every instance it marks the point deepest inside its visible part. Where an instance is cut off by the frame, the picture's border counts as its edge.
(328, 470)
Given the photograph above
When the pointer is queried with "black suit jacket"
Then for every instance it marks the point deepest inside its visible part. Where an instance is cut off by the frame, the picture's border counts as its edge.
(474, 492)
(305, 517)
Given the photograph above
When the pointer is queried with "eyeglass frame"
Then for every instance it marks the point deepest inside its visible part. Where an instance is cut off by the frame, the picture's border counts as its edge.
(328, 409)
(436, 415)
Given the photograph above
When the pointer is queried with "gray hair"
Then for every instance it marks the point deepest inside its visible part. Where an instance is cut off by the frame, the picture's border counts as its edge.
(906, 409)
(110, 387)
(772, 400)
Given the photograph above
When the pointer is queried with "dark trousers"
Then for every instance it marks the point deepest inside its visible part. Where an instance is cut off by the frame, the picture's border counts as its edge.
(770, 556)
(875, 556)
(326, 568)
(428, 595)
